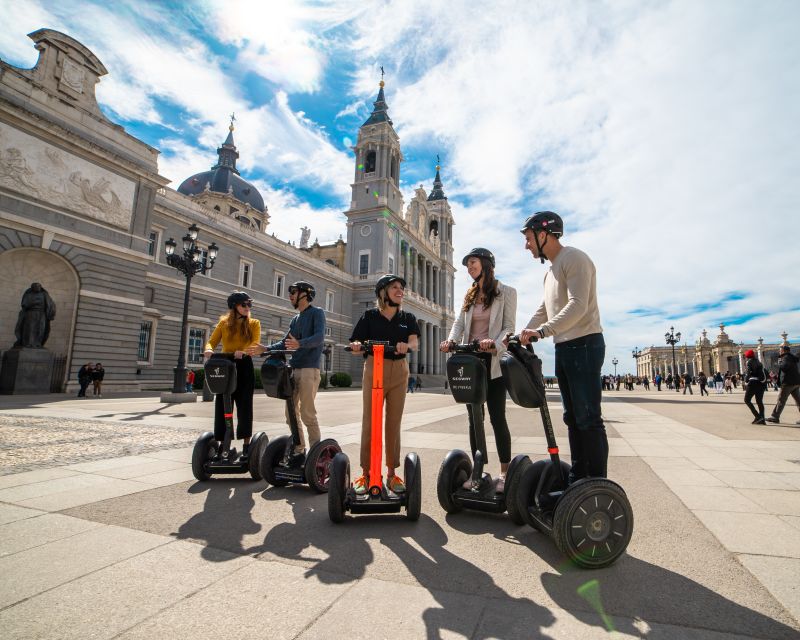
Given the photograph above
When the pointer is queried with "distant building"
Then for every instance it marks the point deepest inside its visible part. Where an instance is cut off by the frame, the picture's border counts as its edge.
(722, 355)
(84, 211)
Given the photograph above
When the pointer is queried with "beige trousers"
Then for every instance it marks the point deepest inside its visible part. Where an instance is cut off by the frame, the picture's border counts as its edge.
(395, 381)
(306, 383)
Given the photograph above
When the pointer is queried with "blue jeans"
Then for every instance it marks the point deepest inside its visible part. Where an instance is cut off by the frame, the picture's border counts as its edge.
(578, 366)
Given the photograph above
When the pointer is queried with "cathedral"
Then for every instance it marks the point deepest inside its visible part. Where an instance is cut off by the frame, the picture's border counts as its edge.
(85, 212)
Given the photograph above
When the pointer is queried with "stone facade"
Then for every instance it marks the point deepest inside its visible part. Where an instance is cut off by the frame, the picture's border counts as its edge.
(723, 355)
(84, 211)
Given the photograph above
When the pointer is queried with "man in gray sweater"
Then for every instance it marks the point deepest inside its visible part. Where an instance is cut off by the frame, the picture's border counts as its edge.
(570, 315)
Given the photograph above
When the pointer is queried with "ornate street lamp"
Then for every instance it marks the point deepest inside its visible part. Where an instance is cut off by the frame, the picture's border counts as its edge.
(615, 362)
(188, 264)
(673, 338)
(636, 353)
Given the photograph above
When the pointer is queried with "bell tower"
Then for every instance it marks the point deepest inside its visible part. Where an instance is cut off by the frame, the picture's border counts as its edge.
(376, 203)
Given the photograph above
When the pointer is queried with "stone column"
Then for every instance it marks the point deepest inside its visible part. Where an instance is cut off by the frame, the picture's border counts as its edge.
(422, 346)
(759, 350)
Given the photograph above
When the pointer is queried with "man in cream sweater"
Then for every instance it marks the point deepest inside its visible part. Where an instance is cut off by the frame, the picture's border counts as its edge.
(570, 315)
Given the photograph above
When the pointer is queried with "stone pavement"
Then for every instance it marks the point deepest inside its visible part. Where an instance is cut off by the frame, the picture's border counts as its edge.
(106, 534)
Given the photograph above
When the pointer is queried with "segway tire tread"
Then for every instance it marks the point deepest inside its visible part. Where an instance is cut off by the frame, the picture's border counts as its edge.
(201, 454)
(455, 470)
(512, 504)
(337, 487)
(256, 448)
(413, 471)
(593, 523)
(271, 457)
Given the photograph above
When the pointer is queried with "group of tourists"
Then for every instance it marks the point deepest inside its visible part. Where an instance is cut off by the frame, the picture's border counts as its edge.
(568, 313)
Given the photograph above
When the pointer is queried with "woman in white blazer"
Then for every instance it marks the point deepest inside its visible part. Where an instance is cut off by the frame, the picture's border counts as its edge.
(487, 315)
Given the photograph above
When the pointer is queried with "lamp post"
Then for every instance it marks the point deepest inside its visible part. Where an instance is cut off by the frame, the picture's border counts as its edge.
(327, 353)
(636, 353)
(673, 338)
(615, 362)
(188, 264)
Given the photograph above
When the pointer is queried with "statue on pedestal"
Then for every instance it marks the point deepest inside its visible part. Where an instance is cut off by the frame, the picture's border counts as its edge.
(36, 312)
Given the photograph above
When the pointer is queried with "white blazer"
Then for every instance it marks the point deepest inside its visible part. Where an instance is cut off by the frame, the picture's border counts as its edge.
(502, 315)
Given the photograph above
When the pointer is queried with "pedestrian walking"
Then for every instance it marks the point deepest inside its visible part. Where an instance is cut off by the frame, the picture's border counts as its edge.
(718, 383)
(658, 382)
(702, 381)
(487, 316)
(788, 382)
(687, 383)
(756, 379)
(189, 380)
(728, 383)
(306, 337)
(570, 314)
(646, 383)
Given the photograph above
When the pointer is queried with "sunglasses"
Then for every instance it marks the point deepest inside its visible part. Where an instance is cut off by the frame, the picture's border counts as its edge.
(245, 304)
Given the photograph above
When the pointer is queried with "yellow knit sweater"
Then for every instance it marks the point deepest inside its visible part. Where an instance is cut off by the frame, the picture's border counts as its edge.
(233, 342)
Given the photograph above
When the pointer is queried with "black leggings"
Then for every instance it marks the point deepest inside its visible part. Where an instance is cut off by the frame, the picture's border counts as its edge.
(243, 400)
(496, 401)
(755, 389)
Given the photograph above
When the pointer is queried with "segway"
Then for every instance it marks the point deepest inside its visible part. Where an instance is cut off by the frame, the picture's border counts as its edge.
(342, 497)
(467, 377)
(279, 464)
(590, 520)
(207, 460)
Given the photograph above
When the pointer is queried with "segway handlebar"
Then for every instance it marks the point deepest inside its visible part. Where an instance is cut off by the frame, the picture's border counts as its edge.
(367, 345)
(468, 347)
(278, 352)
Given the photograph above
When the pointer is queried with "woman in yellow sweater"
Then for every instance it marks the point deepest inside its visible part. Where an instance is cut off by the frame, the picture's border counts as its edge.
(237, 331)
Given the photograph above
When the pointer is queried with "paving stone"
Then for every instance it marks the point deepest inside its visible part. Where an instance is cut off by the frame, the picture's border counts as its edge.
(33, 571)
(750, 480)
(272, 600)
(33, 532)
(12, 513)
(103, 490)
(693, 477)
(757, 534)
(126, 593)
(144, 468)
(780, 576)
(773, 501)
(716, 499)
(30, 477)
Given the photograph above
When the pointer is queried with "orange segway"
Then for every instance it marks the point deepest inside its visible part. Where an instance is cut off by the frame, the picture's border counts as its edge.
(342, 496)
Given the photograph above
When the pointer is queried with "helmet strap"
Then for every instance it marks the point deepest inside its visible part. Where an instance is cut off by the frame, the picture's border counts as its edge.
(539, 247)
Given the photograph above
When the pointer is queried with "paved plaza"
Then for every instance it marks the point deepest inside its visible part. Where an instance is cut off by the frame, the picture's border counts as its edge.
(106, 534)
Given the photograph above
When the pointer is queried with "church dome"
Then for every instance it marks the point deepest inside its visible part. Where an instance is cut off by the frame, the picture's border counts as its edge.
(224, 178)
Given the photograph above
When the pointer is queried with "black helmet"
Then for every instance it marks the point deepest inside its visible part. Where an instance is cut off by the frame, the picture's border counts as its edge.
(238, 297)
(385, 281)
(479, 252)
(545, 221)
(301, 285)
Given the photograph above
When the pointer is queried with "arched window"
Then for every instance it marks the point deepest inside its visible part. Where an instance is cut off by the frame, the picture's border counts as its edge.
(369, 162)
(434, 228)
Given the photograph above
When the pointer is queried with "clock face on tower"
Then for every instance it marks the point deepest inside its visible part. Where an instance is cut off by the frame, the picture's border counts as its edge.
(365, 230)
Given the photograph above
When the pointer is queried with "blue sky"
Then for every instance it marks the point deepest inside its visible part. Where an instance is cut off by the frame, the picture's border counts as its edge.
(665, 133)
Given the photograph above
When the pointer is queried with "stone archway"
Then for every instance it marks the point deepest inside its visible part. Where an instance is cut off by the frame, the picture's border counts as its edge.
(21, 267)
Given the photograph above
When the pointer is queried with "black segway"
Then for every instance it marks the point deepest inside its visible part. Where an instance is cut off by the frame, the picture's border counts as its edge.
(590, 520)
(342, 497)
(467, 377)
(220, 370)
(279, 464)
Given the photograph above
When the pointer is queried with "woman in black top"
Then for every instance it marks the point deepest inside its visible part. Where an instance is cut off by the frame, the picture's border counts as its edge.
(387, 322)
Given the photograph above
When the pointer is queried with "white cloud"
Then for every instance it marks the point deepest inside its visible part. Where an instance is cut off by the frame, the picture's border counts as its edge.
(662, 132)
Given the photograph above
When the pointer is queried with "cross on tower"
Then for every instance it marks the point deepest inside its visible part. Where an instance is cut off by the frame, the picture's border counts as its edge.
(233, 119)
(382, 72)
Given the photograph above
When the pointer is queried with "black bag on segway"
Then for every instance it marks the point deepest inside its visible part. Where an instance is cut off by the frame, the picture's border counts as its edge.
(276, 377)
(466, 374)
(522, 374)
(220, 374)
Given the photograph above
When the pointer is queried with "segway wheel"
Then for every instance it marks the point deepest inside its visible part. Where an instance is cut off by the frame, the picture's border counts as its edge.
(204, 449)
(413, 471)
(257, 443)
(337, 487)
(273, 453)
(593, 522)
(318, 464)
(516, 470)
(455, 471)
(529, 483)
